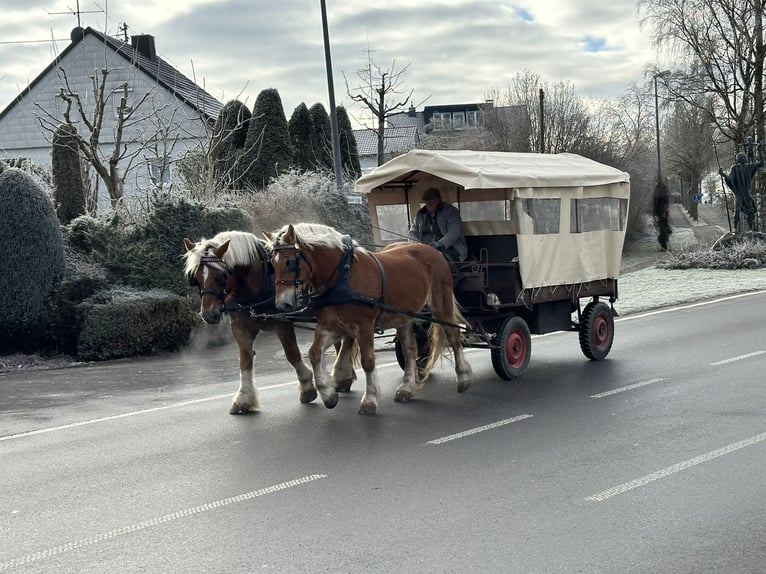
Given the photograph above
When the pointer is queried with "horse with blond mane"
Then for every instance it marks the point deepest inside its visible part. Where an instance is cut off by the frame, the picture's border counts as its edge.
(233, 273)
(353, 292)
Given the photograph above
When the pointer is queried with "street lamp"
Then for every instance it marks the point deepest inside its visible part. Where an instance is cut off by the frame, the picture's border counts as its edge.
(663, 74)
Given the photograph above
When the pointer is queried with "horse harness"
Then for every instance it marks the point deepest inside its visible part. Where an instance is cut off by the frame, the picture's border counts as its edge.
(266, 295)
(337, 293)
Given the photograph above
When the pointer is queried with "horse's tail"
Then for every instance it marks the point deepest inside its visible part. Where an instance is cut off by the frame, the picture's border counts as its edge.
(437, 338)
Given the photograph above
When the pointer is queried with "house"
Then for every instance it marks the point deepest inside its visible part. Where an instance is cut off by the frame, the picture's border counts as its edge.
(454, 124)
(169, 113)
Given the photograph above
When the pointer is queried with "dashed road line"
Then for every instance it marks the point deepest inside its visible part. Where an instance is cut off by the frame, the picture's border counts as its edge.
(627, 388)
(738, 358)
(470, 432)
(152, 522)
(646, 479)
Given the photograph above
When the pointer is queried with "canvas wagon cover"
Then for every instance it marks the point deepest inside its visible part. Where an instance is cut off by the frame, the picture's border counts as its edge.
(494, 170)
(544, 259)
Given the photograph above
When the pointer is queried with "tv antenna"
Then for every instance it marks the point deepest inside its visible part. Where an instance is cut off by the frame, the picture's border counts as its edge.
(76, 13)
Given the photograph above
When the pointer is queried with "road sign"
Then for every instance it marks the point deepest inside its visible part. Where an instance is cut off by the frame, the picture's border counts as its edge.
(697, 197)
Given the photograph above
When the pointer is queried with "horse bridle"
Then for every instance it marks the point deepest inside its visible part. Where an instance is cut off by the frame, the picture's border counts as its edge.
(294, 264)
(221, 276)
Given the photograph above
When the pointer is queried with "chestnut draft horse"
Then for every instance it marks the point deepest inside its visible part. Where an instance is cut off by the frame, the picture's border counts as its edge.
(233, 273)
(352, 292)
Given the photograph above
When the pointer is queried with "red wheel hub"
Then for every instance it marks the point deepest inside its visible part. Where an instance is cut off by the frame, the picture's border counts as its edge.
(516, 349)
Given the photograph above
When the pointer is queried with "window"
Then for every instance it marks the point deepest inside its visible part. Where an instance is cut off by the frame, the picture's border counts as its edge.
(474, 119)
(392, 222)
(483, 210)
(538, 216)
(441, 121)
(159, 171)
(117, 95)
(598, 214)
(458, 121)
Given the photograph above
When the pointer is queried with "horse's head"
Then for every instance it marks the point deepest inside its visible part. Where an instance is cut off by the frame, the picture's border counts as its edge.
(292, 270)
(306, 258)
(207, 270)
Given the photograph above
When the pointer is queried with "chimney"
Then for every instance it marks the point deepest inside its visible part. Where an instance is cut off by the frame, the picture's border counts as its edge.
(144, 45)
(411, 112)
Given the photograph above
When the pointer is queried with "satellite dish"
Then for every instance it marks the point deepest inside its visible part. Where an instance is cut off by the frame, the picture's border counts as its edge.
(76, 34)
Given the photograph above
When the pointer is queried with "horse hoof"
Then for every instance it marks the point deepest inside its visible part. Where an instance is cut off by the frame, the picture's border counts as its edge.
(331, 402)
(308, 396)
(402, 396)
(242, 409)
(463, 386)
(367, 409)
(343, 386)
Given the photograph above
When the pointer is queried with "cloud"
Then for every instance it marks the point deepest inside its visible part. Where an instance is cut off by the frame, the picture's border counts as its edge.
(457, 51)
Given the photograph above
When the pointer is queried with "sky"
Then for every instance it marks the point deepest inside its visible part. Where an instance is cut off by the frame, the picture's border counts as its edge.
(457, 51)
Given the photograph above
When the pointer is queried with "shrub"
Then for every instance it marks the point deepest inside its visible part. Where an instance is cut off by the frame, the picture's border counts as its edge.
(124, 323)
(33, 260)
(82, 279)
(68, 188)
(148, 254)
(311, 196)
(267, 151)
(731, 252)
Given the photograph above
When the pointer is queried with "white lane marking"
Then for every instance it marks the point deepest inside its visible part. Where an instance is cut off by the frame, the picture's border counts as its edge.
(626, 388)
(469, 432)
(132, 413)
(739, 358)
(152, 522)
(644, 480)
(689, 306)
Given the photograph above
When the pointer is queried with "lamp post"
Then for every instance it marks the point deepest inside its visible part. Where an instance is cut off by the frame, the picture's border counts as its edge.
(662, 74)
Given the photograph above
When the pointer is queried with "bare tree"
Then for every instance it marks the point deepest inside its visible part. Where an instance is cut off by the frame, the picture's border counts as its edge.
(378, 87)
(719, 47)
(565, 115)
(106, 165)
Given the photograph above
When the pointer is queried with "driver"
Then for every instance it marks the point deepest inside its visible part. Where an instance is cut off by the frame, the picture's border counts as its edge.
(438, 223)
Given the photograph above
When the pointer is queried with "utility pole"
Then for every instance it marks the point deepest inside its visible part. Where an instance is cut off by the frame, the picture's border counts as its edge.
(333, 113)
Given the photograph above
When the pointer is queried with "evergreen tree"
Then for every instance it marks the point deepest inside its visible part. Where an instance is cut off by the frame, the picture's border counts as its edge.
(33, 249)
(229, 135)
(268, 151)
(301, 129)
(68, 188)
(321, 138)
(349, 155)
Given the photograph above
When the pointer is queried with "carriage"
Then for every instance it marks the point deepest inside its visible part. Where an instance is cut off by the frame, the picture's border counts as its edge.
(545, 234)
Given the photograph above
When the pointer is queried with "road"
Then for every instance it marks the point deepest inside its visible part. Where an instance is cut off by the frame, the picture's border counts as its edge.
(650, 461)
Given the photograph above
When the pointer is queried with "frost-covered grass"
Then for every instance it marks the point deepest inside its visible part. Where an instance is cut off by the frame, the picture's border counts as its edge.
(688, 272)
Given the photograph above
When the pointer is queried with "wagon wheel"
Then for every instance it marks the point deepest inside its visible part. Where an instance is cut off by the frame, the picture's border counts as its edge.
(512, 349)
(424, 349)
(596, 330)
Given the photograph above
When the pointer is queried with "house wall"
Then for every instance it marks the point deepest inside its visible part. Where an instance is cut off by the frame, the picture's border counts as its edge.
(163, 126)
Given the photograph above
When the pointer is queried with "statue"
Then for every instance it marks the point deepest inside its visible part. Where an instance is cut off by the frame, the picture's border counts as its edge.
(739, 180)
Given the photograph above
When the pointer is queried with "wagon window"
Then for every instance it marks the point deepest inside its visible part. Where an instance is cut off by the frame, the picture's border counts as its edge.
(484, 210)
(598, 214)
(537, 216)
(392, 221)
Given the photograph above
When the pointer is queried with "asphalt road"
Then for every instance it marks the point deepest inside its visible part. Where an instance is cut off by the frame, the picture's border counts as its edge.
(650, 461)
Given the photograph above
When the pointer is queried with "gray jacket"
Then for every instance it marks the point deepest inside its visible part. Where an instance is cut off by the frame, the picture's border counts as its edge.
(450, 224)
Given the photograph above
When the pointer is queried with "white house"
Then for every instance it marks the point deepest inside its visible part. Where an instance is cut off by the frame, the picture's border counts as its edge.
(169, 113)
